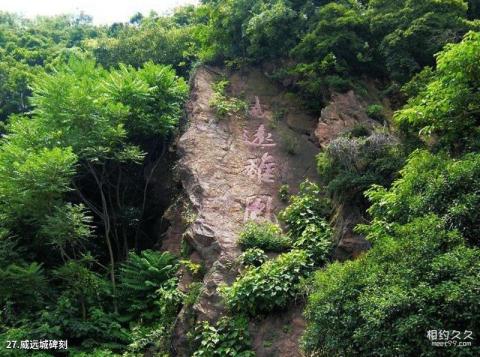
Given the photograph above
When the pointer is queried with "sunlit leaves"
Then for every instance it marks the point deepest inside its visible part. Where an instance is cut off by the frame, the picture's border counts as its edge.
(32, 182)
(433, 184)
(153, 94)
(68, 226)
(446, 110)
(377, 303)
(270, 286)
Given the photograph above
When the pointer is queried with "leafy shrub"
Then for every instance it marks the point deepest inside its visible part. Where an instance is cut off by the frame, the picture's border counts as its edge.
(81, 285)
(9, 251)
(405, 46)
(224, 105)
(154, 298)
(142, 275)
(265, 235)
(159, 332)
(229, 337)
(333, 45)
(253, 257)
(437, 184)
(194, 291)
(308, 207)
(147, 39)
(13, 280)
(269, 30)
(69, 226)
(101, 328)
(445, 111)
(19, 333)
(155, 336)
(284, 193)
(375, 111)
(417, 277)
(185, 248)
(154, 94)
(316, 240)
(270, 286)
(195, 269)
(42, 175)
(349, 166)
(417, 83)
(220, 86)
(337, 83)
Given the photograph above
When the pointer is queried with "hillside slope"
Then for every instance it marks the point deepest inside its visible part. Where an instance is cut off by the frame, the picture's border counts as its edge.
(231, 170)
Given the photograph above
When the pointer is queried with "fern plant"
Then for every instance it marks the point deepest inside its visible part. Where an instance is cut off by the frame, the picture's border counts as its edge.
(22, 285)
(143, 275)
(225, 105)
(228, 337)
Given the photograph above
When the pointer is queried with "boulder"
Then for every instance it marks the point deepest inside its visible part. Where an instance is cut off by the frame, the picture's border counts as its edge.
(231, 170)
(343, 113)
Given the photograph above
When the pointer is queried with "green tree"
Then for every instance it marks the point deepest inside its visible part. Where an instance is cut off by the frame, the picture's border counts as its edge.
(338, 29)
(163, 40)
(272, 31)
(446, 110)
(433, 184)
(417, 277)
(66, 181)
(409, 33)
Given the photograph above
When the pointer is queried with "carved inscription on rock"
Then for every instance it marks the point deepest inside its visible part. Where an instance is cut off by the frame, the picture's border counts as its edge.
(261, 167)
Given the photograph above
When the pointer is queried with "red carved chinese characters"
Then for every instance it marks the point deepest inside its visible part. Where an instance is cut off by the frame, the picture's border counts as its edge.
(257, 111)
(261, 138)
(258, 207)
(261, 168)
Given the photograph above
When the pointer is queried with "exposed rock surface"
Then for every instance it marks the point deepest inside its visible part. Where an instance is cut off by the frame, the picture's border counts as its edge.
(343, 113)
(231, 170)
(278, 334)
(349, 244)
(219, 164)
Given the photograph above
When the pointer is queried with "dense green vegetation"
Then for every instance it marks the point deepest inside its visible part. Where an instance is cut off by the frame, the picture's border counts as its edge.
(228, 338)
(86, 117)
(73, 196)
(423, 269)
(330, 44)
(265, 235)
(446, 105)
(350, 165)
(28, 47)
(270, 286)
(225, 105)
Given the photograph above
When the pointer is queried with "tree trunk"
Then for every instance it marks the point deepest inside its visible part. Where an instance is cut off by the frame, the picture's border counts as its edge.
(106, 222)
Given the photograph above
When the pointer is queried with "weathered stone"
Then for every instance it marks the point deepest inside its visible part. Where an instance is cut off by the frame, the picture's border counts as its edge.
(212, 168)
(300, 122)
(343, 113)
(230, 171)
(278, 334)
(349, 244)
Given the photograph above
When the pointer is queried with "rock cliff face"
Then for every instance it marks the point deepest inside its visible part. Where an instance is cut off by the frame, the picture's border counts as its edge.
(343, 113)
(231, 170)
